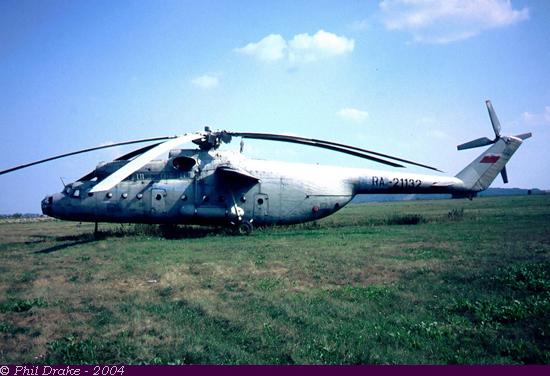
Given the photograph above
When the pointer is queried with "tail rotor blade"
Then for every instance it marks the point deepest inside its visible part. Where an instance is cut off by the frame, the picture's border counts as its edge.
(487, 157)
(483, 141)
(524, 136)
(504, 175)
(494, 118)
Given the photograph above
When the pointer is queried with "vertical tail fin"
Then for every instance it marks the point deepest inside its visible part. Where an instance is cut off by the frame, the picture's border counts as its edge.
(479, 174)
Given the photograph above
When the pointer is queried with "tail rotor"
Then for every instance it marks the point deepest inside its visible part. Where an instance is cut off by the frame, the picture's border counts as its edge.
(484, 141)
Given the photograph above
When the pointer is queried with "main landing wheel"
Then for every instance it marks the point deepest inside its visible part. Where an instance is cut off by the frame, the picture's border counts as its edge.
(243, 228)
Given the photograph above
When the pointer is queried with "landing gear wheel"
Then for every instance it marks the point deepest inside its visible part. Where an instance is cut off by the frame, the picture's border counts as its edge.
(243, 228)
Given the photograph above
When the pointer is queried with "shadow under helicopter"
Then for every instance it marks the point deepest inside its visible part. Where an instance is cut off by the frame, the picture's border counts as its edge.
(59, 247)
(162, 231)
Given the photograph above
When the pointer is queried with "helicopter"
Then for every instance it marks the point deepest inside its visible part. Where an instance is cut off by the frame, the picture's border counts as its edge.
(209, 186)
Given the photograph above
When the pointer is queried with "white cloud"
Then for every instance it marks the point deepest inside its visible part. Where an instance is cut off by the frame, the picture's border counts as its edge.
(445, 21)
(302, 48)
(537, 119)
(307, 48)
(270, 48)
(353, 114)
(206, 81)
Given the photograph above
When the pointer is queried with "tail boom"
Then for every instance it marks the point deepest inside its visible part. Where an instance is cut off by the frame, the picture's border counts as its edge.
(475, 177)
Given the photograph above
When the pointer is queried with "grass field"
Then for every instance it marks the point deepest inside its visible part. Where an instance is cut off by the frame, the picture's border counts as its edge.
(411, 282)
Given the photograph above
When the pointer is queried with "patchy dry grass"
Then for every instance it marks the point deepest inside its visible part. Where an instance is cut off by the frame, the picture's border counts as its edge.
(416, 282)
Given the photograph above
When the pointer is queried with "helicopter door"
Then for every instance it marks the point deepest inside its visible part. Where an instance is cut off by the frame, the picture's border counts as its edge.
(158, 201)
(261, 205)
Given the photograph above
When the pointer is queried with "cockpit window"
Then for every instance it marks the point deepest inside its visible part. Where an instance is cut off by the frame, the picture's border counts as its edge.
(76, 193)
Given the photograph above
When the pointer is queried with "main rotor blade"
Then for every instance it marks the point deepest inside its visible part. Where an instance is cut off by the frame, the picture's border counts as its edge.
(311, 142)
(125, 157)
(84, 151)
(379, 154)
(137, 163)
(494, 118)
(137, 152)
(334, 146)
(475, 143)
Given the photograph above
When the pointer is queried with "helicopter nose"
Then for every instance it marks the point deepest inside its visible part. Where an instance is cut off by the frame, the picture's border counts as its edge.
(48, 204)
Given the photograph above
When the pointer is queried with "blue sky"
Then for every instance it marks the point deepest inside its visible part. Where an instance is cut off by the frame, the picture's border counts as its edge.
(404, 77)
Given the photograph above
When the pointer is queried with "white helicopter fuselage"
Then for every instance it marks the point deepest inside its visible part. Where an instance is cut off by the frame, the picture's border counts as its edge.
(225, 187)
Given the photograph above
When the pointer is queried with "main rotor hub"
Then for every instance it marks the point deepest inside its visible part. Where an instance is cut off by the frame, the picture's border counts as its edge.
(212, 139)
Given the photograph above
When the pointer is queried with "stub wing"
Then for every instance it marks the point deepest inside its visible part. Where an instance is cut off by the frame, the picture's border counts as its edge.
(236, 176)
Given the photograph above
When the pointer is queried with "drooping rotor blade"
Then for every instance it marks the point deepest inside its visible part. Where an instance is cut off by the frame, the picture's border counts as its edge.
(137, 163)
(125, 157)
(311, 142)
(84, 151)
(89, 176)
(137, 152)
(504, 175)
(494, 118)
(475, 143)
(378, 154)
(352, 150)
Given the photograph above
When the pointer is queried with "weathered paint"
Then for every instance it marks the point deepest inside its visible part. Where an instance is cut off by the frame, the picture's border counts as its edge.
(283, 193)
